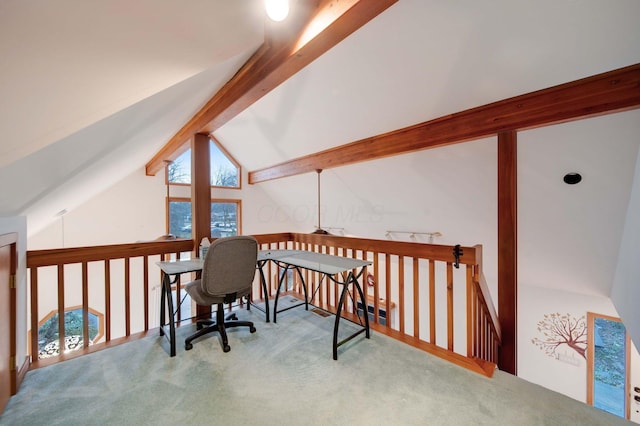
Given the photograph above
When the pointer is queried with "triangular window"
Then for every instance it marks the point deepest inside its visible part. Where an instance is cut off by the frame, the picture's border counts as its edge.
(225, 171)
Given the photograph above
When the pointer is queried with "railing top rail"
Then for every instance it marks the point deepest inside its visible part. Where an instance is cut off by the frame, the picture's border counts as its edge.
(273, 238)
(50, 257)
(400, 248)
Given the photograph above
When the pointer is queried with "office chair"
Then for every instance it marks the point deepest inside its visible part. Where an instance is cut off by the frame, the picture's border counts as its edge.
(227, 275)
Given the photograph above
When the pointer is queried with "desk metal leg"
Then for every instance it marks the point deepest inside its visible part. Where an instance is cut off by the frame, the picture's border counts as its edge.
(265, 291)
(162, 297)
(304, 289)
(351, 280)
(336, 323)
(172, 323)
(275, 302)
(166, 302)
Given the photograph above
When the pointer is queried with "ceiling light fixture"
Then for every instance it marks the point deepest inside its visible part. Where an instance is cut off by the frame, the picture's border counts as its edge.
(572, 178)
(277, 10)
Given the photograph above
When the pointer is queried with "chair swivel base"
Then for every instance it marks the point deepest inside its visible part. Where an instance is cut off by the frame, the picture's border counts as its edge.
(220, 325)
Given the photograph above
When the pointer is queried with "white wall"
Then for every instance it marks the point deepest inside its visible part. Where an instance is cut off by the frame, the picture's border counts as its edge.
(626, 286)
(19, 225)
(451, 190)
(131, 210)
(567, 375)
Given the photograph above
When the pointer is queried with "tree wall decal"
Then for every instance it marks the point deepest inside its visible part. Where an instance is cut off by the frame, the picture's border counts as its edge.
(560, 330)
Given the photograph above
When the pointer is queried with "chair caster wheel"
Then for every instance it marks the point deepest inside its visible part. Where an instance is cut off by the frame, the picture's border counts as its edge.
(252, 329)
(199, 326)
(188, 346)
(226, 348)
(233, 317)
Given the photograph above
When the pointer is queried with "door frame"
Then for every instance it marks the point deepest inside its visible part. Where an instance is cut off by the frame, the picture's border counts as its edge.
(591, 316)
(11, 240)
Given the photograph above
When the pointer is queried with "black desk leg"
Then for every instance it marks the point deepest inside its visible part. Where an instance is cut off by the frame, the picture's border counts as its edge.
(304, 289)
(264, 290)
(351, 280)
(337, 321)
(167, 299)
(275, 302)
(162, 296)
(172, 322)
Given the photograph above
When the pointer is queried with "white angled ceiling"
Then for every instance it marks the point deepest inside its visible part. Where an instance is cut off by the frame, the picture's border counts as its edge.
(67, 64)
(423, 59)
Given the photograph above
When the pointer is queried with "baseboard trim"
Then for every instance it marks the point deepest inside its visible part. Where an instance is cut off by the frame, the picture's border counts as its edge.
(21, 373)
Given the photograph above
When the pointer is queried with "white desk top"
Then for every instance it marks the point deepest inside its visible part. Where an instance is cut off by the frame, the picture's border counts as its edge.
(174, 267)
(319, 262)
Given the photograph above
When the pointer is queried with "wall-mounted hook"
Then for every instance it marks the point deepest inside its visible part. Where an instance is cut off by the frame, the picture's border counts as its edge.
(457, 252)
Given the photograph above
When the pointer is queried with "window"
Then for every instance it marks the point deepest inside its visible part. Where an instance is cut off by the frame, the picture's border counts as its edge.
(180, 217)
(225, 217)
(608, 359)
(225, 171)
(48, 336)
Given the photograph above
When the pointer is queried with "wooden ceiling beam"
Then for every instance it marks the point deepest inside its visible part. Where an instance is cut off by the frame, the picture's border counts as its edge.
(315, 27)
(605, 93)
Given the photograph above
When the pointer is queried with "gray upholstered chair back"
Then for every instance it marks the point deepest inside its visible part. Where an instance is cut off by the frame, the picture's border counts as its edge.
(229, 267)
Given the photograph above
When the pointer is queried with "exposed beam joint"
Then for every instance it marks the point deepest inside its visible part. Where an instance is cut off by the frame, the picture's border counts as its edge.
(605, 93)
(315, 28)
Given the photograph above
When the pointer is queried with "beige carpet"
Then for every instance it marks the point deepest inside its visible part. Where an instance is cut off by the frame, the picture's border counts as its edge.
(283, 374)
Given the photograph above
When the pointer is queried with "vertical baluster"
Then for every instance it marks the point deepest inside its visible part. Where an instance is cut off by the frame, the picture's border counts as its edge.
(376, 289)
(61, 330)
(450, 306)
(470, 300)
(85, 306)
(107, 299)
(483, 330)
(416, 301)
(363, 283)
(478, 327)
(400, 294)
(343, 252)
(35, 350)
(269, 283)
(432, 301)
(387, 288)
(145, 279)
(127, 298)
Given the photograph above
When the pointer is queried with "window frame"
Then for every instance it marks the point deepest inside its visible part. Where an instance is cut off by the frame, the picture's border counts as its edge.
(98, 314)
(591, 317)
(231, 160)
(226, 154)
(237, 201)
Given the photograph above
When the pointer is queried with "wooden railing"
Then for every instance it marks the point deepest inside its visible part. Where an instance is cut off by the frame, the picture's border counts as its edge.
(118, 277)
(414, 291)
(415, 294)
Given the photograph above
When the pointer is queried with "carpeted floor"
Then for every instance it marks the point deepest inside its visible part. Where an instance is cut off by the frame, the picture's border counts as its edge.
(283, 374)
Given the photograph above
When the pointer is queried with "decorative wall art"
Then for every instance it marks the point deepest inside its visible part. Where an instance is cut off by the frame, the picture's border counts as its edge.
(561, 332)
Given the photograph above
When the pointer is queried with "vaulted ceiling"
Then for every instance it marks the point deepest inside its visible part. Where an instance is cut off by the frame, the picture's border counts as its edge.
(92, 90)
